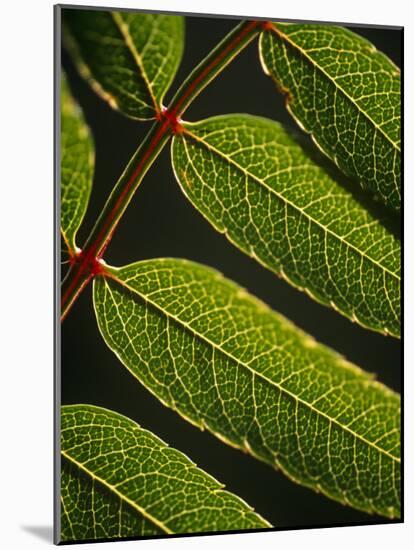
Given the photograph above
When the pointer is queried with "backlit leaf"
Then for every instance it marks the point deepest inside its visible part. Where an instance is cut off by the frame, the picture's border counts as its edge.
(346, 94)
(76, 166)
(130, 59)
(119, 480)
(256, 185)
(226, 362)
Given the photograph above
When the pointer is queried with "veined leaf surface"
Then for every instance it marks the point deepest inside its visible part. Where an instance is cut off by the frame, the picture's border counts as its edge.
(226, 362)
(90, 511)
(129, 58)
(76, 166)
(346, 94)
(120, 480)
(256, 185)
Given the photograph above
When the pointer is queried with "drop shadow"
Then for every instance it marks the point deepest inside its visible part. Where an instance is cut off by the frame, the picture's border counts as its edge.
(43, 532)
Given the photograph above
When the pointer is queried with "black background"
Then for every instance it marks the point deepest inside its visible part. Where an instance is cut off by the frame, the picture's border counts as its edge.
(161, 222)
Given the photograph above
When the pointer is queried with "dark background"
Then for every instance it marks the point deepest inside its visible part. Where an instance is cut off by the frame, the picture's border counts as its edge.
(161, 222)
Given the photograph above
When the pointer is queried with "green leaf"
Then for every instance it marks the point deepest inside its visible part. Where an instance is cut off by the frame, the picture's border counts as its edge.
(120, 480)
(226, 362)
(346, 94)
(130, 59)
(76, 166)
(90, 511)
(256, 185)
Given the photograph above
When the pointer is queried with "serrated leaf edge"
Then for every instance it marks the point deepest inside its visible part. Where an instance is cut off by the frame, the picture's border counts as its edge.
(122, 497)
(350, 314)
(287, 39)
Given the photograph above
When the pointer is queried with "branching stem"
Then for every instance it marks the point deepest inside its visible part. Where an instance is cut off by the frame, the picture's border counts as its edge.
(87, 263)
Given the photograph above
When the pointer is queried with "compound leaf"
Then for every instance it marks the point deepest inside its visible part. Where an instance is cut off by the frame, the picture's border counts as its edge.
(76, 167)
(226, 362)
(120, 480)
(130, 59)
(346, 94)
(256, 185)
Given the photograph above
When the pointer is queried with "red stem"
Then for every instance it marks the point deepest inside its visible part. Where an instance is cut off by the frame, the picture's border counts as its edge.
(87, 263)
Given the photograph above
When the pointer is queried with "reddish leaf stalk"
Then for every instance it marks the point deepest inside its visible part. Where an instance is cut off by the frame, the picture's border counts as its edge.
(87, 263)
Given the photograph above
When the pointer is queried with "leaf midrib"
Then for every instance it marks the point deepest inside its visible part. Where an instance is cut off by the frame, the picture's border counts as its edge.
(121, 496)
(280, 197)
(312, 61)
(112, 275)
(123, 28)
